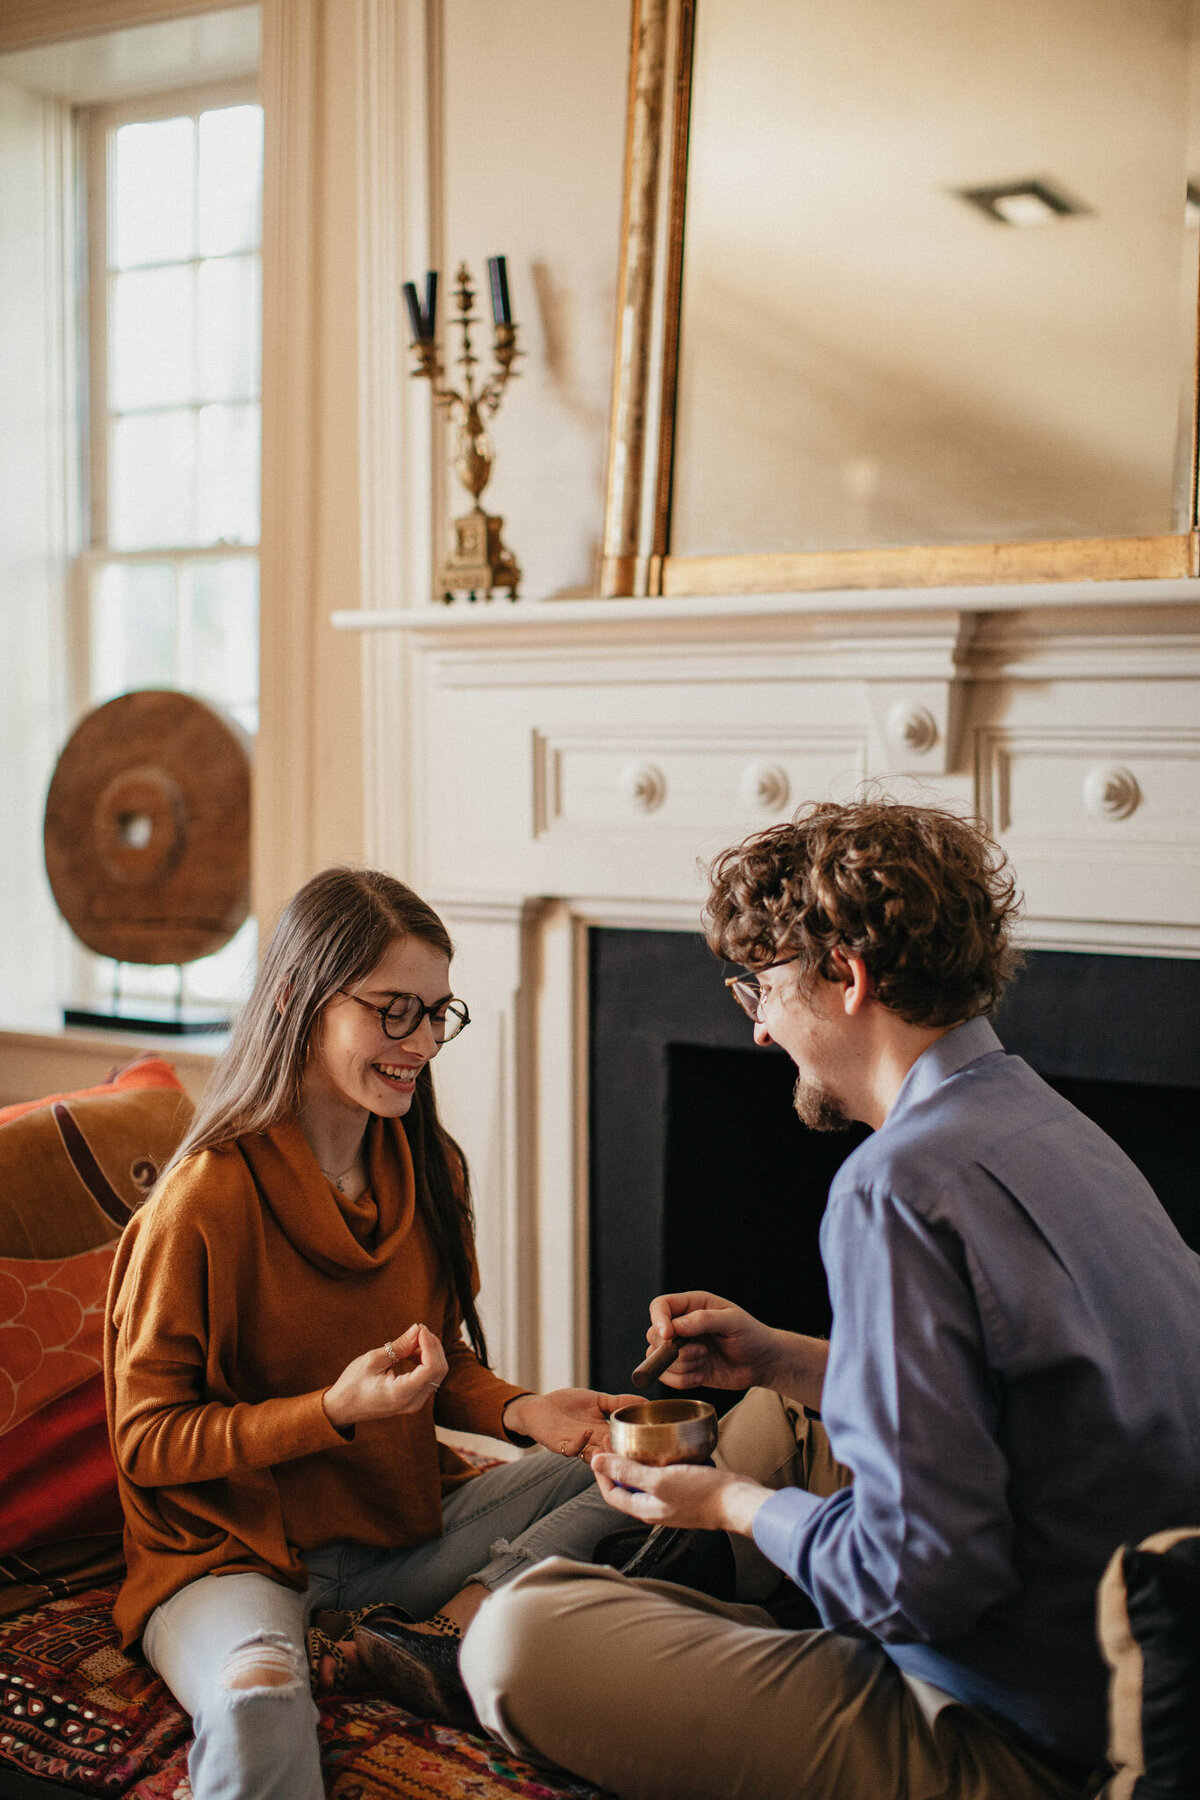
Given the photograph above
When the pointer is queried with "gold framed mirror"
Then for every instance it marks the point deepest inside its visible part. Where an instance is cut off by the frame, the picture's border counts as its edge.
(908, 296)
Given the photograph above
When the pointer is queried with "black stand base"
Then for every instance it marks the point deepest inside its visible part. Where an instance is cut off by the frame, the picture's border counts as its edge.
(165, 1020)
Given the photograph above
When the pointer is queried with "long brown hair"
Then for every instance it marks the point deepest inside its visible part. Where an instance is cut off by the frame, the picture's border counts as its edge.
(332, 933)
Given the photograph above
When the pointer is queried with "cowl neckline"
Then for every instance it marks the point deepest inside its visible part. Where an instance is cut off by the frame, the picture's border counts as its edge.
(323, 1225)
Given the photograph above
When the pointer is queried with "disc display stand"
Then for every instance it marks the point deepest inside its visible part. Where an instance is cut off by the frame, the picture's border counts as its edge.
(164, 1018)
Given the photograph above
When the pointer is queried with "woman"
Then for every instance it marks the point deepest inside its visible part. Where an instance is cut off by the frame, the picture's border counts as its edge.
(285, 1328)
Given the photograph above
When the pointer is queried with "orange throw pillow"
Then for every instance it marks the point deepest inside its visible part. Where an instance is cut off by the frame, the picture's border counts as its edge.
(73, 1167)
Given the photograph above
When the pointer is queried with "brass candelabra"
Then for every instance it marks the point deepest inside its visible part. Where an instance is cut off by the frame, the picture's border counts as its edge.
(480, 564)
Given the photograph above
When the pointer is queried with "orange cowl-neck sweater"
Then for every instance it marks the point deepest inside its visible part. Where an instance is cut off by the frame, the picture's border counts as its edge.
(239, 1293)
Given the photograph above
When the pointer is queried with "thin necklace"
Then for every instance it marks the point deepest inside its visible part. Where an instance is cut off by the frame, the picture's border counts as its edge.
(337, 1180)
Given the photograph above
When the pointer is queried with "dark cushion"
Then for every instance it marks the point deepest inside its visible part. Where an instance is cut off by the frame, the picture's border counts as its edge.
(1149, 1626)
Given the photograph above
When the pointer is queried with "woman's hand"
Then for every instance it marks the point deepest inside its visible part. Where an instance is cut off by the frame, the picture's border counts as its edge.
(573, 1421)
(688, 1494)
(375, 1386)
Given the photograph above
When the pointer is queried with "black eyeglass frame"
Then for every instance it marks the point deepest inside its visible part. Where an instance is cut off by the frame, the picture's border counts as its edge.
(746, 991)
(424, 1012)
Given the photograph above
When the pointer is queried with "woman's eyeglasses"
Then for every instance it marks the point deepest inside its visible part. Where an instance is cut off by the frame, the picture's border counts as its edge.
(403, 1014)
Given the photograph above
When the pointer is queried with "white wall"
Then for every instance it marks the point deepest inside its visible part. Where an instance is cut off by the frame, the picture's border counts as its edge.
(520, 119)
(533, 138)
(308, 790)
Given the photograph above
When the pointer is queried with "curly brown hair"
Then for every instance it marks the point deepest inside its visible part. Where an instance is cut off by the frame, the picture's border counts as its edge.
(925, 898)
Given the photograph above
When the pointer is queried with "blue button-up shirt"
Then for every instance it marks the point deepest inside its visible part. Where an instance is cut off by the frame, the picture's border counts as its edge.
(1013, 1379)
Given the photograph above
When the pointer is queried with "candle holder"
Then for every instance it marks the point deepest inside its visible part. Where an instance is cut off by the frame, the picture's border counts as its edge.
(480, 564)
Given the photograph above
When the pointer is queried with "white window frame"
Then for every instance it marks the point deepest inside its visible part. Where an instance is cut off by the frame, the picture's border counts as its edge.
(95, 126)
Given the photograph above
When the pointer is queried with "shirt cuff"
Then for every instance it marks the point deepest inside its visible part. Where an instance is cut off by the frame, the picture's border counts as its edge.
(779, 1522)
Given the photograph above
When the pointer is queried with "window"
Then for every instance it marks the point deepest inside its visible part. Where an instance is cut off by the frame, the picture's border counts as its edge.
(169, 583)
(176, 225)
(130, 183)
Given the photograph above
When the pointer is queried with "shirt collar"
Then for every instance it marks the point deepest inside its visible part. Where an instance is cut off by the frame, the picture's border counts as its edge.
(960, 1046)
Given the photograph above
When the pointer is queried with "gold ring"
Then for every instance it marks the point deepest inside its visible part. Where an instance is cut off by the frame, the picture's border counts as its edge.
(391, 1353)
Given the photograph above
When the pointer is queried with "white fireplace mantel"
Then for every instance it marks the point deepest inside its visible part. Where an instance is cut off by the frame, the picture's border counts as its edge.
(560, 764)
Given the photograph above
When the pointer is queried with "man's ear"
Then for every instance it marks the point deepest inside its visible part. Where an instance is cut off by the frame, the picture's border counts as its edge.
(851, 971)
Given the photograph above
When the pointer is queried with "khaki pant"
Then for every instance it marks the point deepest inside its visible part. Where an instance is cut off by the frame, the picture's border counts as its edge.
(653, 1692)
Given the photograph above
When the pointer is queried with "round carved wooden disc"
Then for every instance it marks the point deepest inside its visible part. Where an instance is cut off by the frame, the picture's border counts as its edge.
(147, 830)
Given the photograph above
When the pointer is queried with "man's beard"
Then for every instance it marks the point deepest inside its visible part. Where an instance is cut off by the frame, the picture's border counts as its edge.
(816, 1107)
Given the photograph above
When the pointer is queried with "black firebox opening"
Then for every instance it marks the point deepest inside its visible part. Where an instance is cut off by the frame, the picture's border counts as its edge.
(729, 1119)
(702, 1176)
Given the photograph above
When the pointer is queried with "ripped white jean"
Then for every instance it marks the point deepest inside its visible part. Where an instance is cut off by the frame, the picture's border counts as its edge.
(259, 1741)
(255, 1742)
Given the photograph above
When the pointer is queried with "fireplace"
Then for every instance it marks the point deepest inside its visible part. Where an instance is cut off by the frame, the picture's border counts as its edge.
(701, 1175)
(548, 772)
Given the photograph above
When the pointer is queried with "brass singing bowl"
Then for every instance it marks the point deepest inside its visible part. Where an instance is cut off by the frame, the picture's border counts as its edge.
(664, 1431)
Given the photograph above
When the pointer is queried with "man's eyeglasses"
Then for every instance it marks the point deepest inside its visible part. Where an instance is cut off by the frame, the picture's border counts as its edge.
(749, 993)
(403, 1014)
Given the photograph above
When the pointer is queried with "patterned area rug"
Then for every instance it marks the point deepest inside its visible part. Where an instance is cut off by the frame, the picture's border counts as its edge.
(78, 1712)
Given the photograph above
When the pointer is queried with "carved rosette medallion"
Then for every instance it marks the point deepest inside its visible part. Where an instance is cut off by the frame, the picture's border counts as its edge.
(1111, 791)
(765, 787)
(645, 784)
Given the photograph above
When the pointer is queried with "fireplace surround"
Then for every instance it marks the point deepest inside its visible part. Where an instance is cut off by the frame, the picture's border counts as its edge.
(551, 769)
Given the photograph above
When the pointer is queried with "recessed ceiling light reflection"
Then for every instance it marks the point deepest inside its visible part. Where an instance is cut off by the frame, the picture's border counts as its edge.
(1022, 203)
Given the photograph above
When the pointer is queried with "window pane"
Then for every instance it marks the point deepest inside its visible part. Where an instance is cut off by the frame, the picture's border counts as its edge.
(220, 625)
(152, 479)
(153, 193)
(223, 979)
(229, 973)
(229, 309)
(230, 179)
(133, 629)
(227, 504)
(151, 357)
(131, 982)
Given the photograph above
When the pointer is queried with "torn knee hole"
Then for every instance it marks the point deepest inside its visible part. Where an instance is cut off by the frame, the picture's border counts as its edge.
(260, 1666)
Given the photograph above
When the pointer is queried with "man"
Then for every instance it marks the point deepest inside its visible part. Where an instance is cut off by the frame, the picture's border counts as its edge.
(1010, 1383)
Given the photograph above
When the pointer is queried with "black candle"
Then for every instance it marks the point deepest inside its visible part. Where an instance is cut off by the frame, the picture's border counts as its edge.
(416, 323)
(498, 271)
(431, 281)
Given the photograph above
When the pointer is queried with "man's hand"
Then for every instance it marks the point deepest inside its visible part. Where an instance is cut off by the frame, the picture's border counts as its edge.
(689, 1494)
(721, 1344)
(573, 1421)
(724, 1346)
(375, 1386)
